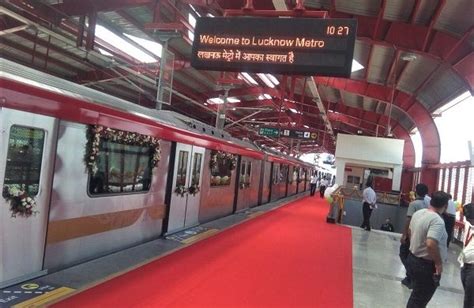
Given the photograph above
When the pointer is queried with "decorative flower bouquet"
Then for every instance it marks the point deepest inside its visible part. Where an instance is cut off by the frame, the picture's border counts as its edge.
(215, 155)
(20, 202)
(97, 132)
(194, 189)
(180, 190)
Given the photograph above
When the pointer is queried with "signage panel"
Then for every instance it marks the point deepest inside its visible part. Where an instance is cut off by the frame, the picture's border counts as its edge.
(287, 133)
(269, 132)
(301, 46)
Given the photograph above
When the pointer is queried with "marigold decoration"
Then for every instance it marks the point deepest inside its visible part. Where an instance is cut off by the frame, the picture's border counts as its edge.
(96, 132)
(21, 203)
(180, 190)
(194, 189)
(215, 155)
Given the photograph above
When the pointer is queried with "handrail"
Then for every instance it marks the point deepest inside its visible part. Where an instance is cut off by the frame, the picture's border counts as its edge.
(382, 196)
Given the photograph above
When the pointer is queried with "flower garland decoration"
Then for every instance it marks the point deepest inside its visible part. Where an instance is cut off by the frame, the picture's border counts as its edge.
(215, 155)
(97, 132)
(21, 203)
(194, 189)
(180, 190)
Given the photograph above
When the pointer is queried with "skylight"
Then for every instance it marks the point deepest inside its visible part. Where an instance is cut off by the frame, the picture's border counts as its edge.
(192, 22)
(194, 10)
(356, 66)
(249, 79)
(153, 47)
(273, 79)
(293, 110)
(264, 96)
(105, 52)
(266, 80)
(114, 40)
(305, 126)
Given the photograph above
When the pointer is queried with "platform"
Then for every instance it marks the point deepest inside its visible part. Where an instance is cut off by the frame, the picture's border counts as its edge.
(308, 276)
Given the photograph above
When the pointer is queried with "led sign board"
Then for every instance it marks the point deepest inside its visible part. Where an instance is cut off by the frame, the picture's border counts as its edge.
(298, 46)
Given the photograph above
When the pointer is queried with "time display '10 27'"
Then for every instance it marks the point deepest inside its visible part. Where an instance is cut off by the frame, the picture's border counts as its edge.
(337, 30)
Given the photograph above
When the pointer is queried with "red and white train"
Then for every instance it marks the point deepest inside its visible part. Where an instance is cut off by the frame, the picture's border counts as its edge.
(82, 174)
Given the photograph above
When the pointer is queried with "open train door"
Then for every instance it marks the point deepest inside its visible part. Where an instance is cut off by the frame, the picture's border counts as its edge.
(186, 195)
(27, 153)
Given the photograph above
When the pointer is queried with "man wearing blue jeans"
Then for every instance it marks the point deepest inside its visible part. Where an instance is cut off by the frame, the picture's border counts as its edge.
(428, 250)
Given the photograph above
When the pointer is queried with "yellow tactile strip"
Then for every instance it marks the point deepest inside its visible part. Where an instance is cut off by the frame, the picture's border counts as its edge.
(200, 236)
(44, 299)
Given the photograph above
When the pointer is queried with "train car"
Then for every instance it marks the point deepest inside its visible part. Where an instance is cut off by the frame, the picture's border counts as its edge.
(84, 174)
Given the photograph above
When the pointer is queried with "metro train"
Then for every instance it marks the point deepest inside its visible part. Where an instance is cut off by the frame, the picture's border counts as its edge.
(85, 174)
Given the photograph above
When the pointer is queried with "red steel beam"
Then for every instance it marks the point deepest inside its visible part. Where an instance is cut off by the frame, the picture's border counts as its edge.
(414, 12)
(433, 20)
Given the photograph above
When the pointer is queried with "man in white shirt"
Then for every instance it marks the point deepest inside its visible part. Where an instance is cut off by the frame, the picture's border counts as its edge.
(312, 182)
(450, 218)
(428, 250)
(418, 204)
(322, 186)
(369, 200)
(467, 257)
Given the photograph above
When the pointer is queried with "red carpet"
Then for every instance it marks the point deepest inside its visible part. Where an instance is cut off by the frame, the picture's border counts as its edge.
(289, 257)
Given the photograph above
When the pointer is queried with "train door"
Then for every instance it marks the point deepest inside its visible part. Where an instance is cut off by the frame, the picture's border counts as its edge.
(187, 177)
(27, 153)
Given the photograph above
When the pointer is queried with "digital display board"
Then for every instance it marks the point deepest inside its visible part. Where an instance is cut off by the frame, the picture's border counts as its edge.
(293, 46)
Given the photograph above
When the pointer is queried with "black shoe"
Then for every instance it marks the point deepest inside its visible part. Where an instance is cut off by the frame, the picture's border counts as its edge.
(407, 283)
(367, 229)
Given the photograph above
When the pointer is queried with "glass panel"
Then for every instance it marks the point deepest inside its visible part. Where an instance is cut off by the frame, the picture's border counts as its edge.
(276, 174)
(196, 169)
(221, 173)
(25, 154)
(249, 172)
(121, 169)
(182, 168)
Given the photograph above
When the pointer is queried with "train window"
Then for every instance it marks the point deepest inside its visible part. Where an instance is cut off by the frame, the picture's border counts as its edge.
(24, 156)
(244, 177)
(121, 169)
(182, 168)
(221, 172)
(196, 169)
(276, 174)
(283, 173)
(293, 175)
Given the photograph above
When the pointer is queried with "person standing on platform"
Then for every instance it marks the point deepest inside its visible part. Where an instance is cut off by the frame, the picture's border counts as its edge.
(467, 257)
(428, 250)
(419, 203)
(450, 218)
(322, 186)
(312, 182)
(369, 203)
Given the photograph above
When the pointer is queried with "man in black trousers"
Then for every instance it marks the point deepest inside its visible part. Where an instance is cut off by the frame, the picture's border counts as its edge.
(418, 204)
(428, 250)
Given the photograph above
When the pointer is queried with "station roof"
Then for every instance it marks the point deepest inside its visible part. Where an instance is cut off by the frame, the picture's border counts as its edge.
(419, 51)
